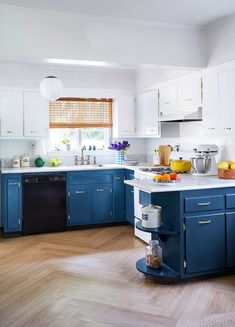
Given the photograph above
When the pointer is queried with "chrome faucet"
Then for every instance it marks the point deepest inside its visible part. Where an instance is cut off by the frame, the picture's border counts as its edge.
(82, 160)
(82, 157)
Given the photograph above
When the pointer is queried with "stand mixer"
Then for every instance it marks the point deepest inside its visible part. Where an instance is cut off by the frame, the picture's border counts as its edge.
(204, 163)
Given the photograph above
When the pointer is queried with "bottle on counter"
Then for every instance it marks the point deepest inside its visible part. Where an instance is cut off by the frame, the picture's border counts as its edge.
(15, 162)
(24, 160)
(156, 159)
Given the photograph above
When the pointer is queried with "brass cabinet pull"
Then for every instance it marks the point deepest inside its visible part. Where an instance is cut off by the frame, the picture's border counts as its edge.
(204, 222)
(117, 177)
(203, 203)
(80, 192)
(100, 190)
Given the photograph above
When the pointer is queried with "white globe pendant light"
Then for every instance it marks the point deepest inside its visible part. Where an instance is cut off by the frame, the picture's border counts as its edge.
(51, 88)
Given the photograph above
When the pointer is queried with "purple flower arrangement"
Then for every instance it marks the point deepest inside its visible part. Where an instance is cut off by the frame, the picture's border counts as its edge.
(120, 146)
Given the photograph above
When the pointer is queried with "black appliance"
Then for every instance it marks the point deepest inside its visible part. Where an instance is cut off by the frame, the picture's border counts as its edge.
(44, 203)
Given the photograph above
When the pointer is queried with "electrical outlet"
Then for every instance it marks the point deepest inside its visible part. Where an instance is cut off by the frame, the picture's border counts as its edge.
(32, 145)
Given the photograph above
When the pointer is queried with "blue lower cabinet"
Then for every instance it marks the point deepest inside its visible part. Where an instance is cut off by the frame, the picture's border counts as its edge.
(101, 203)
(130, 204)
(11, 203)
(79, 205)
(205, 242)
(119, 196)
(230, 238)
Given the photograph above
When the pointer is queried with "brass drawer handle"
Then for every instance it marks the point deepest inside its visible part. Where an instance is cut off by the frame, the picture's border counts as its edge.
(100, 190)
(80, 192)
(203, 203)
(204, 222)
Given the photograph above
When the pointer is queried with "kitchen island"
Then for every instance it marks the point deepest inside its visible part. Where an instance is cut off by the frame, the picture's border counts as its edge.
(198, 227)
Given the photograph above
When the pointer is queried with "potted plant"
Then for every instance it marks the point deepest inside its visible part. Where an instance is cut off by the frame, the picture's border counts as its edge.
(121, 149)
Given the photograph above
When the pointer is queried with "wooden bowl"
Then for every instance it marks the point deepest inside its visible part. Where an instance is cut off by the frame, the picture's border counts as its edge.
(226, 173)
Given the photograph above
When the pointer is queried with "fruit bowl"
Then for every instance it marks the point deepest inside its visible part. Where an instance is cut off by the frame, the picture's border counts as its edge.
(226, 173)
(166, 179)
(167, 182)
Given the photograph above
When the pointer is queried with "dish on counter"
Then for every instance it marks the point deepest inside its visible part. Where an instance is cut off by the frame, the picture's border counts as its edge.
(166, 179)
(130, 162)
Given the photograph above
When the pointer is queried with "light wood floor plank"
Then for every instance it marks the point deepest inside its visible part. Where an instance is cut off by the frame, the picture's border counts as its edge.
(88, 278)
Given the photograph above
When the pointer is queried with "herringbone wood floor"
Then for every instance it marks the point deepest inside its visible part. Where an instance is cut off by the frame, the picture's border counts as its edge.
(88, 278)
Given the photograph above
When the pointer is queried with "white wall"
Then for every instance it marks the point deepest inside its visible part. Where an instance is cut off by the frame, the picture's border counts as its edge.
(147, 77)
(33, 33)
(77, 82)
(221, 41)
(30, 75)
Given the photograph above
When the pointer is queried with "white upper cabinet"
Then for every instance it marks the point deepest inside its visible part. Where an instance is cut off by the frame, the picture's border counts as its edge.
(124, 116)
(11, 113)
(168, 99)
(226, 100)
(36, 115)
(219, 103)
(211, 106)
(190, 93)
(147, 124)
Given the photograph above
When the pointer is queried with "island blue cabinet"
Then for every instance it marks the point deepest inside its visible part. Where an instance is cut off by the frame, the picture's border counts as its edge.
(230, 238)
(119, 195)
(11, 203)
(205, 242)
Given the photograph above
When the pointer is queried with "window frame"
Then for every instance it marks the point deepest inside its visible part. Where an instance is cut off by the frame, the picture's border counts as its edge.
(108, 138)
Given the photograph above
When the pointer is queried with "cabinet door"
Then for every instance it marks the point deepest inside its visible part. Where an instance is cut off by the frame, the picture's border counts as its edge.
(118, 197)
(101, 203)
(79, 204)
(230, 237)
(147, 114)
(36, 117)
(168, 100)
(205, 242)
(12, 203)
(11, 113)
(226, 98)
(190, 93)
(211, 120)
(130, 204)
(124, 116)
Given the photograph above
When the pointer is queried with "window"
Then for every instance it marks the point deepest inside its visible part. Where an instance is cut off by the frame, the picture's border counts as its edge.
(75, 122)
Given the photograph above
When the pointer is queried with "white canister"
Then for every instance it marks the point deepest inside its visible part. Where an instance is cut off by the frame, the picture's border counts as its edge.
(24, 161)
(151, 216)
(15, 162)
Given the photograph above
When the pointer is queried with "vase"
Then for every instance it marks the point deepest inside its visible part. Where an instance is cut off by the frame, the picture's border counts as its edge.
(119, 158)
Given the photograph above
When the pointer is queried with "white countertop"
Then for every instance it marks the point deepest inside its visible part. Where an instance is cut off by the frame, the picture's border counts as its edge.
(188, 182)
(47, 169)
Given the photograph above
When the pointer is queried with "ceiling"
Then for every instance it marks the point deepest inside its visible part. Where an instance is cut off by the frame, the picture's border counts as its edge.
(182, 12)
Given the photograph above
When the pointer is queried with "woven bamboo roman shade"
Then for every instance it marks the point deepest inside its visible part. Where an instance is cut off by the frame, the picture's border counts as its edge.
(80, 113)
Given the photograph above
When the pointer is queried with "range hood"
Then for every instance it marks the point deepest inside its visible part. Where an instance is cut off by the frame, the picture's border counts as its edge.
(181, 116)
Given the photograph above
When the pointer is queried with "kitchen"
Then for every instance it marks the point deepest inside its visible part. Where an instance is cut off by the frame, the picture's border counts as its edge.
(69, 202)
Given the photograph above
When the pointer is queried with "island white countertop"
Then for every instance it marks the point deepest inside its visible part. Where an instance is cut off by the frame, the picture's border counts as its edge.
(188, 182)
(48, 169)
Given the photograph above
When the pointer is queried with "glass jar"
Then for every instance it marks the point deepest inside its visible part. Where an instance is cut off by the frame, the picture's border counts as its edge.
(153, 254)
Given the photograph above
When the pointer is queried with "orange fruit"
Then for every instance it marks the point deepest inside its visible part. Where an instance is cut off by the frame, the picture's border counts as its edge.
(166, 177)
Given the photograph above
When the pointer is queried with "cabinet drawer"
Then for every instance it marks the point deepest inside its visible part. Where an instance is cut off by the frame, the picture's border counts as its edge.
(88, 178)
(205, 203)
(230, 201)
